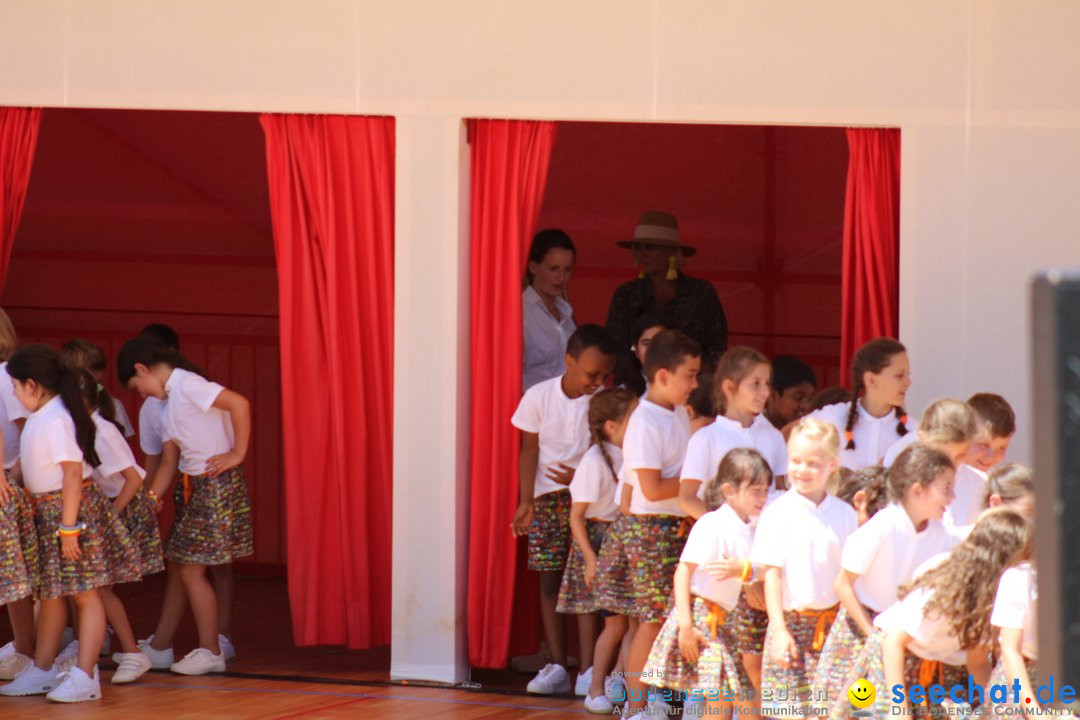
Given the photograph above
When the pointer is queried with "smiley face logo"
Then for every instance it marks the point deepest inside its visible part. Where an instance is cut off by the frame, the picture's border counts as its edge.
(861, 693)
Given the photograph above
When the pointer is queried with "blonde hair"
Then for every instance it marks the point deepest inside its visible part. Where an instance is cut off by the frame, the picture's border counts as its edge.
(8, 341)
(825, 437)
(947, 421)
(1009, 482)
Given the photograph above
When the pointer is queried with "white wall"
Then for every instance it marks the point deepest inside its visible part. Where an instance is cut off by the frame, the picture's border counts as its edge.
(984, 91)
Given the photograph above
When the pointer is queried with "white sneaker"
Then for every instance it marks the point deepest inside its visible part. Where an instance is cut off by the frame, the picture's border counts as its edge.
(31, 681)
(77, 686)
(581, 685)
(615, 690)
(658, 707)
(693, 708)
(68, 656)
(199, 662)
(12, 664)
(132, 666)
(552, 680)
(599, 705)
(159, 659)
(8, 650)
(228, 651)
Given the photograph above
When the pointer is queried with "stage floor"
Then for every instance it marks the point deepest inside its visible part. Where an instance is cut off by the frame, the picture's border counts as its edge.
(272, 679)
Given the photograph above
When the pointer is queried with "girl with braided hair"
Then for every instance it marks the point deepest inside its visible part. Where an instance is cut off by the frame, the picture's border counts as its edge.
(595, 506)
(875, 418)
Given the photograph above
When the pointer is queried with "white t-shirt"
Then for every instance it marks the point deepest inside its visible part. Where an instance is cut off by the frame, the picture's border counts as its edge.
(655, 439)
(931, 638)
(804, 540)
(191, 421)
(151, 425)
(48, 439)
(10, 411)
(123, 419)
(970, 490)
(872, 435)
(898, 447)
(1016, 606)
(886, 551)
(717, 534)
(562, 424)
(593, 483)
(709, 445)
(115, 455)
(544, 338)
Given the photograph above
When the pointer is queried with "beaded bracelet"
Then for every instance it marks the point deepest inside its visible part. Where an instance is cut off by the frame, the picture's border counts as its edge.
(153, 496)
(747, 571)
(70, 530)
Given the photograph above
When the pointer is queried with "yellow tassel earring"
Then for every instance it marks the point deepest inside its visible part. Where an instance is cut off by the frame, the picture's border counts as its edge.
(672, 273)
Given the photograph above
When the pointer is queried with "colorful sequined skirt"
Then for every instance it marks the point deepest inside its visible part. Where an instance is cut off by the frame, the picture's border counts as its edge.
(575, 597)
(842, 647)
(870, 665)
(750, 624)
(213, 520)
(718, 667)
(108, 555)
(998, 677)
(14, 575)
(549, 533)
(614, 592)
(788, 691)
(654, 547)
(141, 522)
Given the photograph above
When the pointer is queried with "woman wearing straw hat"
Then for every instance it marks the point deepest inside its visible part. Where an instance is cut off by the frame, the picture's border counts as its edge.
(686, 303)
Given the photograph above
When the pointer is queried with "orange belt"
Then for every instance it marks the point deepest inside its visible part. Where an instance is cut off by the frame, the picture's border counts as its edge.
(185, 479)
(717, 616)
(685, 525)
(928, 670)
(824, 622)
(55, 494)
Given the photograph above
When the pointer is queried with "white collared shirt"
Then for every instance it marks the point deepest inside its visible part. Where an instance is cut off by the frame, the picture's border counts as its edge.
(873, 436)
(122, 417)
(970, 491)
(804, 540)
(562, 424)
(545, 338)
(151, 425)
(10, 411)
(931, 638)
(48, 439)
(709, 445)
(191, 421)
(1016, 606)
(898, 447)
(885, 552)
(115, 455)
(716, 535)
(595, 484)
(655, 439)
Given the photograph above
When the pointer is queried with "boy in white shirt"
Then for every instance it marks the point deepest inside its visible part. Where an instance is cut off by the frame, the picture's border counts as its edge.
(995, 424)
(653, 451)
(553, 419)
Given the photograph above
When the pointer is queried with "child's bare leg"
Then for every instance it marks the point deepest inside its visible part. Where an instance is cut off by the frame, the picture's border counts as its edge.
(203, 604)
(91, 613)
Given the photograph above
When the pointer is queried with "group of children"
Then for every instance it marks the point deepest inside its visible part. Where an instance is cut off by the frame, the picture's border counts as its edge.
(78, 515)
(765, 559)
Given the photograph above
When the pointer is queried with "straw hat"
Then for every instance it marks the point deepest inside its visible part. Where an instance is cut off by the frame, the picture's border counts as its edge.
(660, 229)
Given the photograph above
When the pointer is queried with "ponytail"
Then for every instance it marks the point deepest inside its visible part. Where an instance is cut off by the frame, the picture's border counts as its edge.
(610, 404)
(150, 351)
(42, 364)
(75, 384)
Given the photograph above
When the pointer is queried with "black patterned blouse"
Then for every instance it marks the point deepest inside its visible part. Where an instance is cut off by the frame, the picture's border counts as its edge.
(695, 310)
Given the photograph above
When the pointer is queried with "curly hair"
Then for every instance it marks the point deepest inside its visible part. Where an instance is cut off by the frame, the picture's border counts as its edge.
(963, 586)
(871, 480)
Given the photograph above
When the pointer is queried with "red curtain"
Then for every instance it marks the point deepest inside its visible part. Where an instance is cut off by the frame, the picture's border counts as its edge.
(509, 160)
(18, 138)
(332, 204)
(871, 260)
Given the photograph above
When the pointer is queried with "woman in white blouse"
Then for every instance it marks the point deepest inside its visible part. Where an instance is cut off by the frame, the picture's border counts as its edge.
(547, 317)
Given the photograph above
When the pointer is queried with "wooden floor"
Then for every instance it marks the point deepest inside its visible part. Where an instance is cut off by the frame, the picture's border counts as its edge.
(272, 679)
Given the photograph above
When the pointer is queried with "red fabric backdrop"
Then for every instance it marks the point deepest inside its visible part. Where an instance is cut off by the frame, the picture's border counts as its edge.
(871, 264)
(509, 161)
(18, 138)
(331, 197)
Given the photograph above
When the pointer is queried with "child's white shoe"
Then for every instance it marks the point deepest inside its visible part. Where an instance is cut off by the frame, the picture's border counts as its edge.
(31, 681)
(132, 666)
(199, 662)
(159, 659)
(77, 686)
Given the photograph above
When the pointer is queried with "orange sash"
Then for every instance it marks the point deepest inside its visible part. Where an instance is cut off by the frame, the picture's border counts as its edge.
(36, 499)
(717, 616)
(824, 622)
